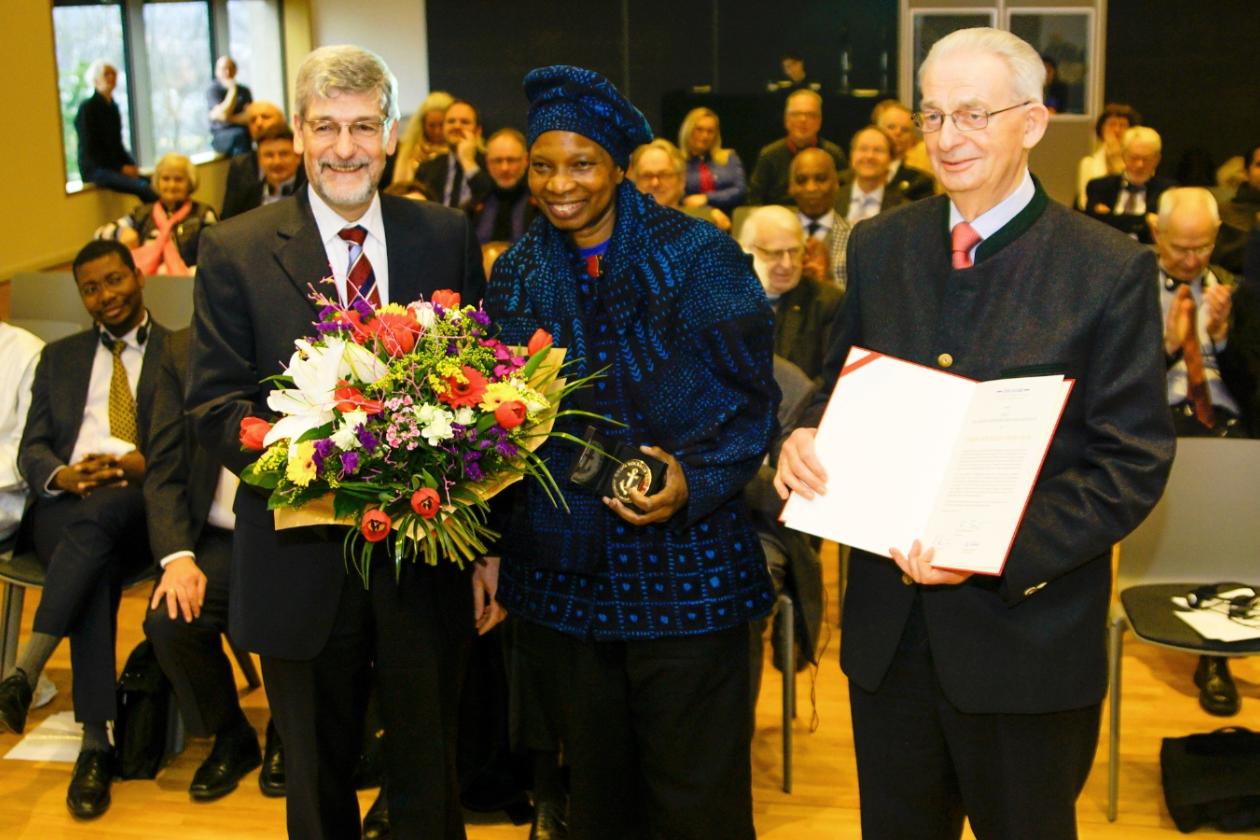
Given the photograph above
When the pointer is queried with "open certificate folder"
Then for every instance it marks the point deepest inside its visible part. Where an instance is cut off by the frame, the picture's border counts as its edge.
(916, 453)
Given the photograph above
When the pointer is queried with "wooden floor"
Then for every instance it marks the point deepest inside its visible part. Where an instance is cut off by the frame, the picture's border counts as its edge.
(1160, 700)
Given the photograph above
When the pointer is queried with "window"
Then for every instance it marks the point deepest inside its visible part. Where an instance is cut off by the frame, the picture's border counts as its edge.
(254, 43)
(177, 46)
(84, 33)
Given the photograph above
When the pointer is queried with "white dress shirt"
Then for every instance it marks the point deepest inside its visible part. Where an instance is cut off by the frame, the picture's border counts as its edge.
(825, 223)
(994, 219)
(19, 355)
(864, 205)
(338, 249)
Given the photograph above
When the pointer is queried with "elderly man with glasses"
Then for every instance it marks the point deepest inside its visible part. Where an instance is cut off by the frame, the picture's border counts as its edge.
(974, 696)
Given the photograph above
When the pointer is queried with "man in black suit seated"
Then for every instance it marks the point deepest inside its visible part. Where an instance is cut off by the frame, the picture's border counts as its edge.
(103, 159)
(1238, 216)
(1123, 200)
(458, 178)
(505, 212)
(896, 121)
(247, 178)
(80, 454)
(319, 632)
(864, 189)
(802, 118)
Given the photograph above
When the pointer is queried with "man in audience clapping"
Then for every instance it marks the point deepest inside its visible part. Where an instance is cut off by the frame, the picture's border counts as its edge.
(814, 186)
(1123, 200)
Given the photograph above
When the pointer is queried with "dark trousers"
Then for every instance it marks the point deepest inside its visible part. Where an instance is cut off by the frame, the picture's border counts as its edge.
(659, 740)
(112, 179)
(417, 631)
(923, 764)
(88, 546)
(191, 653)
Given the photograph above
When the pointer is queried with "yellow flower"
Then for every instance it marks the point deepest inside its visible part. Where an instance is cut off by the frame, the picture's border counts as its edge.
(393, 308)
(301, 467)
(498, 393)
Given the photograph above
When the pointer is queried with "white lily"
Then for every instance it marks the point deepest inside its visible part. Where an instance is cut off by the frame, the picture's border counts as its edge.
(316, 371)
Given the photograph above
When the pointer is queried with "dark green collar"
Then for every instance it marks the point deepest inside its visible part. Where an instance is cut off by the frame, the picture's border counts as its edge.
(1013, 229)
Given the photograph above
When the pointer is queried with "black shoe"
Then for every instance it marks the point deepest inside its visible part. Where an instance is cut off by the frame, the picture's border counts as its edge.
(376, 821)
(271, 776)
(88, 796)
(15, 702)
(1217, 693)
(550, 822)
(234, 755)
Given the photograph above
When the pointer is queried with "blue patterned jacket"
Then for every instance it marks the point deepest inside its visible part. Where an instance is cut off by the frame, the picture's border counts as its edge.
(681, 324)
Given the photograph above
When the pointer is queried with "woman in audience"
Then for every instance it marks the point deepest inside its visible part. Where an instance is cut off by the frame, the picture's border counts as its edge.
(163, 235)
(423, 138)
(1113, 122)
(715, 176)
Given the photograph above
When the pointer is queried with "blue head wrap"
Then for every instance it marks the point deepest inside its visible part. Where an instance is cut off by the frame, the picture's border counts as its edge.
(565, 98)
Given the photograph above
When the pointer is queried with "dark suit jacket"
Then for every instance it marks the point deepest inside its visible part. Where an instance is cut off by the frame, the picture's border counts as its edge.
(244, 188)
(1056, 290)
(432, 173)
(251, 304)
(59, 396)
(1106, 191)
(892, 196)
(180, 477)
(803, 319)
(769, 181)
(1238, 219)
(913, 183)
(99, 126)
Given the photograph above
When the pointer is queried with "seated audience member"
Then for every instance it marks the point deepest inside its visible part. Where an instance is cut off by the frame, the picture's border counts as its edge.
(414, 190)
(1054, 92)
(897, 122)
(1123, 200)
(715, 175)
(281, 168)
(164, 235)
(245, 174)
(458, 178)
(79, 453)
(189, 497)
(864, 189)
(423, 138)
(1238, 216)
(228, 102)
(1107, 158)
(797, 78)
(1210, 385)
(814, 186)
(506, 211)
(802, 117)
(19, 353)
(103, 159)
(658, 169)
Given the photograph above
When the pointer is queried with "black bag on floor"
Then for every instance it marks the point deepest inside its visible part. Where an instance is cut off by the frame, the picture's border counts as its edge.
(144, 698)
(1213, 779)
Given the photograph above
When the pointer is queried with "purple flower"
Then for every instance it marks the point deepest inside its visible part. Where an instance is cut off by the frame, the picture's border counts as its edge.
(473, 470)
(327, 312)
(480, 316)
(367, 439)
(349, 462)
(363, 307)
(452, 349)
(330, 326)
(323, 448)
(506, 448)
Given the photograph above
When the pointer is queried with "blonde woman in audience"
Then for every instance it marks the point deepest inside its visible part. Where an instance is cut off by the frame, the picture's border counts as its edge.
(715, 175)
(1107, 157)
(163, 235)
(423, 138)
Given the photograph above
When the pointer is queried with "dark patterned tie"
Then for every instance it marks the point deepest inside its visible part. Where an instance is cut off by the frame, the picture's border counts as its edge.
(360, 279)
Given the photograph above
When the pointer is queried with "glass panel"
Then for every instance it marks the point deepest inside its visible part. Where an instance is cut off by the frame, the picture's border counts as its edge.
(1062, 38)
(177, 38)
(931, 26)
(253, 42)
(82, 35)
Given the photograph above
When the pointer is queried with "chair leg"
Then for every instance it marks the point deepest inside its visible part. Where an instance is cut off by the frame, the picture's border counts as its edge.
(787, 615)
(1115, 644)
(246, 663)
(10, 625)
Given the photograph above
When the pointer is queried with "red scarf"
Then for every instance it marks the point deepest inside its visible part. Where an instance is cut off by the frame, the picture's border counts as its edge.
(163, 251)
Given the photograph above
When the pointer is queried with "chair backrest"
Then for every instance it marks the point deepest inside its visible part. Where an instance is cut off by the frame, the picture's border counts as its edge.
(738, 216)
(1207, 526)
(47, 296)
(170, 300)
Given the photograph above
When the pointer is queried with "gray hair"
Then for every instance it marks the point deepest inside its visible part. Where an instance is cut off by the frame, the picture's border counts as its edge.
(1187, 198)
(1028, 72)
(675, 156)
(769, 216)
(174, 160)
(95, 70)
(1141, 134)
(346, 69)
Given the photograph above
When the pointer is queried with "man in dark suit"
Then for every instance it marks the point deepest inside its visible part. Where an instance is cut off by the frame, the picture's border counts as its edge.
(896, 121)
(1123, 200)
(1238, 216)
(813, 186)
(246, 176)
(281, 169)
(972, 696)
(81, 453)
(458, 178)
(802, 118)
(317, 629)
(864, 190)
(505, 213)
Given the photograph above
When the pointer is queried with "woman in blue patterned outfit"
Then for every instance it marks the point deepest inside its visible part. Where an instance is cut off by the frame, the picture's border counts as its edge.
(653, 606)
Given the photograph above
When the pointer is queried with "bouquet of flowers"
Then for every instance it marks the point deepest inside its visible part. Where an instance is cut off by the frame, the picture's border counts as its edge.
(402, 421)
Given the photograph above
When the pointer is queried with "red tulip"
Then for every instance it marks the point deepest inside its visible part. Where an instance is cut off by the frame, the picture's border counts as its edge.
(375, 525)
(349, 398)
(540, 339)
(510, 414)
(446, 298)
(253, 430)
(426, 502)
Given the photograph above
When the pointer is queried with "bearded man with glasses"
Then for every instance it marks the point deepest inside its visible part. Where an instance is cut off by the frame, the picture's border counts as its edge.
(978, 697)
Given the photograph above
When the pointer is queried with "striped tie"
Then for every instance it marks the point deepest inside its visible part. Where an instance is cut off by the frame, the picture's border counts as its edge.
(360, 279)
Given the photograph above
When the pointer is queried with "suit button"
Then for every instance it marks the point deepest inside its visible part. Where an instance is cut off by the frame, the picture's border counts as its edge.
(1033, 590)
(944, 360)
(906, 579)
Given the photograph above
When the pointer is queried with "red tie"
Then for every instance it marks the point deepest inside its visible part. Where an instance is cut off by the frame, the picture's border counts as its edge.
(962, 240)
(360, 280)
(1192, 355)
(707, 184)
